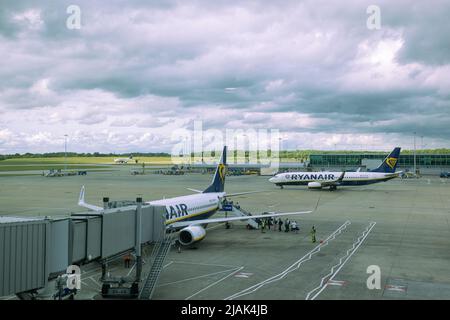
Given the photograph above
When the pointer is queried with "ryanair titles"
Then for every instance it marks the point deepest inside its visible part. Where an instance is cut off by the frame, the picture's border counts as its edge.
(176, 211)
(310, 176)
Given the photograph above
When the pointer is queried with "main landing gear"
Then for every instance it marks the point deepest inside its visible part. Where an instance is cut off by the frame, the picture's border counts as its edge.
(333, 188)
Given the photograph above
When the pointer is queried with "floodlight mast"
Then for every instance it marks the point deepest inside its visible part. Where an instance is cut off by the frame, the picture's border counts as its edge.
(65, 152)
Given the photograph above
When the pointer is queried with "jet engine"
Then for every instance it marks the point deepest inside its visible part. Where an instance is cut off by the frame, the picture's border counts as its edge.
(314, 185)
(191, 234)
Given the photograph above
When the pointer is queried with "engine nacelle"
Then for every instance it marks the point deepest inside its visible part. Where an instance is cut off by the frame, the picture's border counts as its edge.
(315, 185)
(191, 234)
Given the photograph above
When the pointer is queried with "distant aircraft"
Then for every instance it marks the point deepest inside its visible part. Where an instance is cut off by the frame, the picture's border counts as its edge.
(192, 213)
(123, 160)
(319, 180)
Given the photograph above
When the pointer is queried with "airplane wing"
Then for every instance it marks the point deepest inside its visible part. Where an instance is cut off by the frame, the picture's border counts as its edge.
(81, 202)
(333, 182)
(229, 194)
(218, 220)
(242, 193)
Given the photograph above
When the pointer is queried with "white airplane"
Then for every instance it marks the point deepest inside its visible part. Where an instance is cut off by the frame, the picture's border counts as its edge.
(190, 214)
(318, 180)
(123, 160)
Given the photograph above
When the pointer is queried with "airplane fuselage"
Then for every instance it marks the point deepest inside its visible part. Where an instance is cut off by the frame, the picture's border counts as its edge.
(350, 178)
(191, 207)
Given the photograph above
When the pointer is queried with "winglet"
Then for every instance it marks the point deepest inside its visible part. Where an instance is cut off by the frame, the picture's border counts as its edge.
(81, 202)
(81, 198)
(341, 177)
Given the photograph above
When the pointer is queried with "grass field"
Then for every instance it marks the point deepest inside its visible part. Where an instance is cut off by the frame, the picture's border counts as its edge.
(58, 162)
(46, 167)
(81, 160)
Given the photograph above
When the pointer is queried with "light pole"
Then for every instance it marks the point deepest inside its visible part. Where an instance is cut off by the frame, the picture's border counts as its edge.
(414, 153)
(65, 152)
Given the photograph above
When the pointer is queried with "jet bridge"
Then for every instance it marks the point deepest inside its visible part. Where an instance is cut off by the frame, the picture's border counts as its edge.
(34, 250)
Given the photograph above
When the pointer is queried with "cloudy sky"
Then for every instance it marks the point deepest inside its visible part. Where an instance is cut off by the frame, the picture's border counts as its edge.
(136, 71)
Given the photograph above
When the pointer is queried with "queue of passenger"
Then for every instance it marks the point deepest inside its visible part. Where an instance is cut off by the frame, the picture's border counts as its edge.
(278, 222)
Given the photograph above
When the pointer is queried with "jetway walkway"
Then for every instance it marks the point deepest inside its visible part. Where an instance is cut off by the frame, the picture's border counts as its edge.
(159, 254)
(36, 250)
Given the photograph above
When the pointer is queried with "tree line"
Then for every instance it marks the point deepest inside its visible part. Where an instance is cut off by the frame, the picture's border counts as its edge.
(75, 154)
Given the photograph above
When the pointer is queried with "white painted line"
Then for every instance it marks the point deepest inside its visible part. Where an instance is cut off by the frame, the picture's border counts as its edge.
(336, 283)
(341, 263)
(205, 264)
(94, 281)
(296, 265)
(197, 277)
(171, 262)
(134, 265)
(213, 284)
(396, 288)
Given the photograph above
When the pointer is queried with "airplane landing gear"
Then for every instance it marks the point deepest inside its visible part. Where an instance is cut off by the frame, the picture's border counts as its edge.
(333, 188)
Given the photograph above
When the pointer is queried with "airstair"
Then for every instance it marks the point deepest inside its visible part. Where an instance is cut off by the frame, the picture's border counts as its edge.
(243, 213)
(159, 254)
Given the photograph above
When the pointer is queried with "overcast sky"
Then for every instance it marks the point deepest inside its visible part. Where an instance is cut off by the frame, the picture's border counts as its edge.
(138, 70)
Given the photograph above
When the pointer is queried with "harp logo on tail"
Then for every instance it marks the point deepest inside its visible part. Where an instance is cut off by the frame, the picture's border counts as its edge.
(391, 162)
(222, 171)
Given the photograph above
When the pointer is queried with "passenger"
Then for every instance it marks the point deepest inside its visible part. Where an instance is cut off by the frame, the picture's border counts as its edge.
(263, 226)
(313, 234)
(287, 225)
(294, 226)
(280, 224)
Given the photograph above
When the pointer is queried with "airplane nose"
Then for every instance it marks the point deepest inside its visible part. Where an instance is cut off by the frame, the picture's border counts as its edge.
(272, 179)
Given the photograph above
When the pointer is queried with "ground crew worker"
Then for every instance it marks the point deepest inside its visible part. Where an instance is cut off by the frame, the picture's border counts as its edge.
(313, 234)
(263, 226)
(280, 224)
(178, 245)
(127, 260)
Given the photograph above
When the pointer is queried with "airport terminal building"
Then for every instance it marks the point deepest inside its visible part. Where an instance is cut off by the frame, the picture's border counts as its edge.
(426, 163)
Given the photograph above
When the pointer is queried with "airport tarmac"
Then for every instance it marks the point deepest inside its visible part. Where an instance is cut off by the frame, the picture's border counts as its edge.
(401, 226)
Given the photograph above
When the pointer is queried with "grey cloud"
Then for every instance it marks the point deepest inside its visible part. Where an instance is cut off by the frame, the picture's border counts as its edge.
(296, 57)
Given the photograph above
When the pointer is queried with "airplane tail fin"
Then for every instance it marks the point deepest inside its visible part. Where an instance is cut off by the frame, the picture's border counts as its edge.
(218, 182)
(390, 162)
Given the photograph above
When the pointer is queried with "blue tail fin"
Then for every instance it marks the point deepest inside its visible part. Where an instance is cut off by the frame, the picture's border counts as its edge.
(390, 162)
(218, 182)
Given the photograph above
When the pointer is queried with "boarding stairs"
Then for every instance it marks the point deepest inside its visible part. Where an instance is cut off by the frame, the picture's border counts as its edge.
(159, 254)
(243, 213)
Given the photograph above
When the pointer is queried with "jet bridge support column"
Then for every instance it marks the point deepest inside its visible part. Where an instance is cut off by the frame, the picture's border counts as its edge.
(138, 239)
(105, 203)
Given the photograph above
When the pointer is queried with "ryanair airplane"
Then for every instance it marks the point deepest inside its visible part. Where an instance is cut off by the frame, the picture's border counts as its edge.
(318, 180)
(190, 214)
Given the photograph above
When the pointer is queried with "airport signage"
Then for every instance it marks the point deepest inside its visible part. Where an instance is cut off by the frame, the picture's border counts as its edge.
(227, 207)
